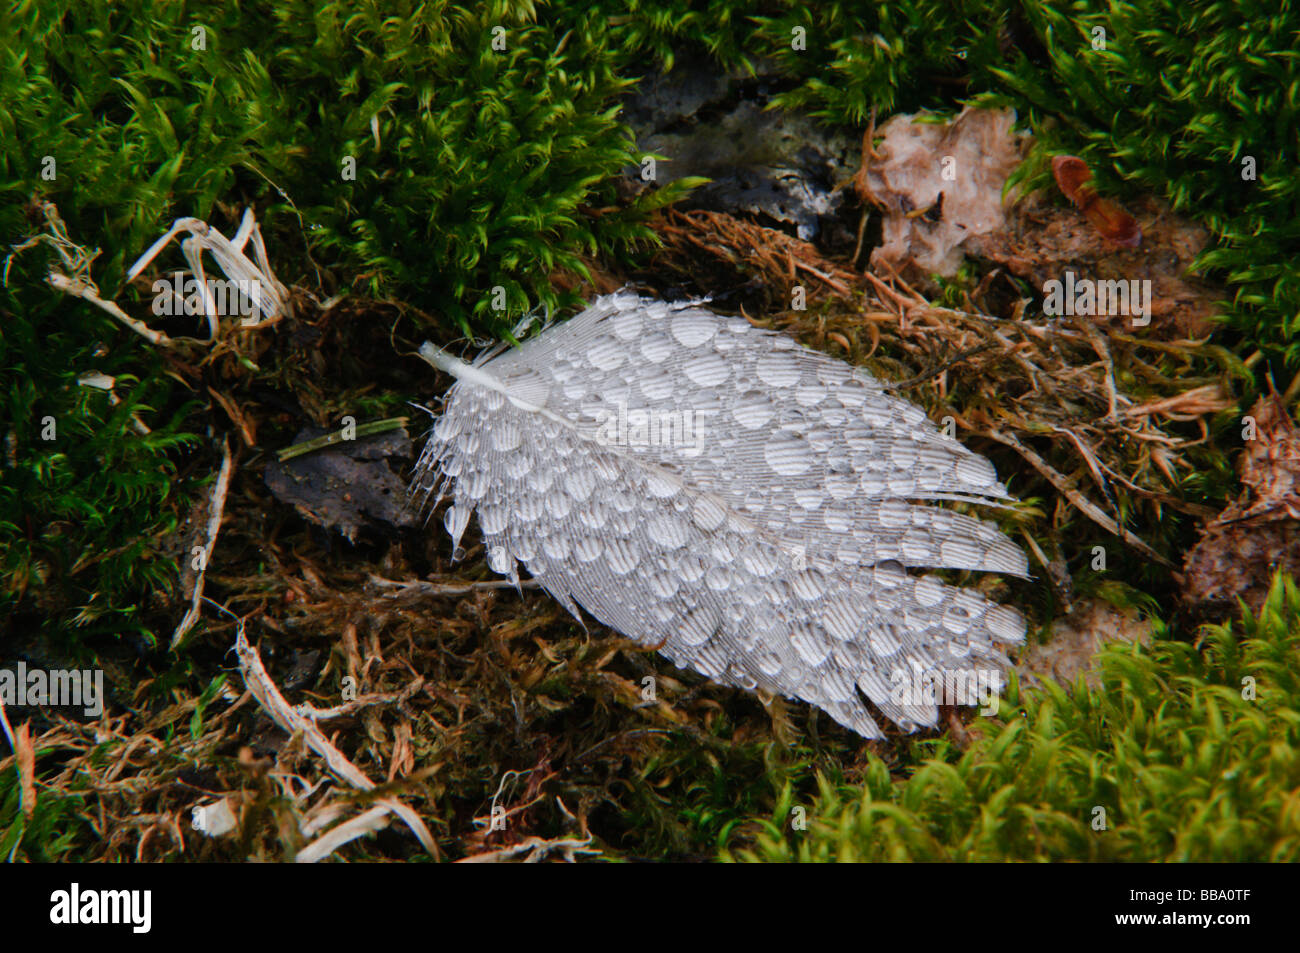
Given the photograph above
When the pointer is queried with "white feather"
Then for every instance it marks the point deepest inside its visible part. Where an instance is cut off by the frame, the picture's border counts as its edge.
(742, 502)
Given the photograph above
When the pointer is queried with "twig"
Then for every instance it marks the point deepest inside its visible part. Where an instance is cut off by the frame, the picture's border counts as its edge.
(80, 289)
(330, 439)
(834, 284)
(1090, 509)
(25, 762)
(366, 701)
(302, 720)
(536, 848)
(216, 507)
(887, 292)
(372, 820)
(273, 301)
(943, 364)
(446, 588)
(1103, 351)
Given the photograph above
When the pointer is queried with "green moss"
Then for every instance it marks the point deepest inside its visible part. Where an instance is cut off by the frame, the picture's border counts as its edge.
(1186, 103)
(434, 152)
(85, 500)
(56, 829)
(1185, 752)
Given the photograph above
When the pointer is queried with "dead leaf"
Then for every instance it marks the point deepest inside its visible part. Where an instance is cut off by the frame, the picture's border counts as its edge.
(953, 171)
(1259, 533)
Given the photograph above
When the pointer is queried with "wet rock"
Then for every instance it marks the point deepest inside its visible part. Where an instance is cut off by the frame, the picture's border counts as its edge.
(769, 163)
(1075, 640)
(348, 485)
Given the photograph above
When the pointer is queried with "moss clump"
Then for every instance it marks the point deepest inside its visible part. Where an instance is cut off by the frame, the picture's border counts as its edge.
(1198, 106)
(435, 152)
(56, 829)
(85, 501)
(1186, 752)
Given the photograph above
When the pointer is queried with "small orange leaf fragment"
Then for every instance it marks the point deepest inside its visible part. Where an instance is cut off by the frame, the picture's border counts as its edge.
(1073, 175)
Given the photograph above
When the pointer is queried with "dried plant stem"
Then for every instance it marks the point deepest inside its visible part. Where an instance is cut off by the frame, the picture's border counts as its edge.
(79, 289)
(302, 720)
(337, 437)
(216, 507)
(1086, 506)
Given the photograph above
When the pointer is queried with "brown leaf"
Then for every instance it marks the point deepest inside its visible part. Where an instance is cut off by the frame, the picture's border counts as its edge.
(1258, 533)
(955, 172)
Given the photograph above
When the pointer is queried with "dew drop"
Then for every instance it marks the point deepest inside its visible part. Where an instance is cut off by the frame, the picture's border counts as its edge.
(698, 626)
(752, 410)
(606, 355)
(692, 328)
(779, 370)
(787, 454)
